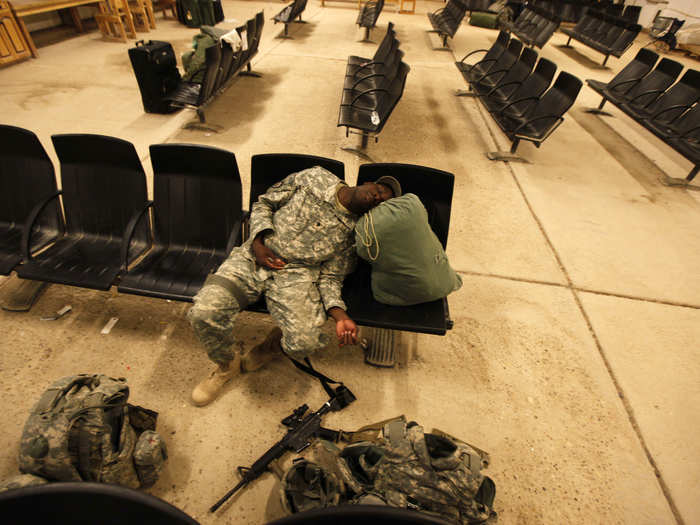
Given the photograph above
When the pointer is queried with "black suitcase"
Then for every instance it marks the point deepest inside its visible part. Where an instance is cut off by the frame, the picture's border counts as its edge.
(155, 67)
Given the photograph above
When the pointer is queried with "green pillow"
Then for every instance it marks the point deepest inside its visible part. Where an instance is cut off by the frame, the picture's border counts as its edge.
(409, 265)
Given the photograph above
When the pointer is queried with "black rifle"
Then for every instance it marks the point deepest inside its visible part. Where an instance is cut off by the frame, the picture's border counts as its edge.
(301, 430)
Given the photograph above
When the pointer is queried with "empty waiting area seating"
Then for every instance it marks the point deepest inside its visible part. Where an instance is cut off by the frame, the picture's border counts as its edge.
(515, 89)
(534, 26)
(446, 20)
(27, 181)
(656, 96)
(103, 189)
(372, 88)
(606, 33)
(289, 14)
(368, 15)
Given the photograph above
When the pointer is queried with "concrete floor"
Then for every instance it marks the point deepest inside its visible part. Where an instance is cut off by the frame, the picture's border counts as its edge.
(573, 359)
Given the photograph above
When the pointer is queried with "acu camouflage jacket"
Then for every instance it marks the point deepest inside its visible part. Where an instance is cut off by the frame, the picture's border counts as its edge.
(309, 230)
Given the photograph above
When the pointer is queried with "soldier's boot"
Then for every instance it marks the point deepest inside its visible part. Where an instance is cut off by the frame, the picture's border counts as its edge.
(261, 354)
(210, 388)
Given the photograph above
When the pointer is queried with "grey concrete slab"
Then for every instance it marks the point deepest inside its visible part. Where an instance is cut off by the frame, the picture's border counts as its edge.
(652, 349)
(519, 376)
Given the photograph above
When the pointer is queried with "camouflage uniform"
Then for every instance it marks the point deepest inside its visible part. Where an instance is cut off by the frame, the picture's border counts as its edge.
(313, 233)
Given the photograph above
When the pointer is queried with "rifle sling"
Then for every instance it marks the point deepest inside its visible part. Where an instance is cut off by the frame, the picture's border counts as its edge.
(324, 380)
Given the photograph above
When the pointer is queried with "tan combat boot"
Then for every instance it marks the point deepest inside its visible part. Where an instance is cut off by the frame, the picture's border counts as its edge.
(210, 388)
(263, 353)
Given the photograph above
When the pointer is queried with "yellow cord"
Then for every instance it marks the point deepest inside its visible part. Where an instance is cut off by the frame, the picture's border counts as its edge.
(368, 239)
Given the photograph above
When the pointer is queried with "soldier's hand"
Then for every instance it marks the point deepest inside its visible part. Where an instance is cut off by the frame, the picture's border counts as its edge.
(264, 256)
(346, 330)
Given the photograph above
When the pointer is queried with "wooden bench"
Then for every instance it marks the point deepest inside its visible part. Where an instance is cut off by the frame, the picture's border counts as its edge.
(24, 8)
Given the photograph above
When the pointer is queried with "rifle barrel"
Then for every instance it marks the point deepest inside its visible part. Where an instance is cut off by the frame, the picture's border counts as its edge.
(230, 493)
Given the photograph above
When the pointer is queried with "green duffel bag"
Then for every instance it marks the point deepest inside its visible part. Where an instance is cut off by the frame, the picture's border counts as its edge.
(409, 265)
(488, 20)
(206, 11)
(190, 13)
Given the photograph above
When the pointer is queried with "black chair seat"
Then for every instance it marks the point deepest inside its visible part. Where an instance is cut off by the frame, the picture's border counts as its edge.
(186, 93)
(429, 318)
(88, 262)
(168, 273)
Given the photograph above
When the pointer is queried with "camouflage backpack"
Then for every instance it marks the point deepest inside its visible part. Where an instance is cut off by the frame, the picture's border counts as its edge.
(82, 429)
(395, 463)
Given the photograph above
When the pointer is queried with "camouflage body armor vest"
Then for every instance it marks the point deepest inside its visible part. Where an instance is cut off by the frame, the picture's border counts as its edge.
(82, 429)
(395, 463)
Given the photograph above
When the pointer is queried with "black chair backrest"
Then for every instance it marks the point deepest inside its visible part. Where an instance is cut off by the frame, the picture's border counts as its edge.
(494, 52)
(687, 126)
(103, 184)
(535, 84)
(385, 44)
(62, 503)
(615, 9)
(509, 56)
(678, 98)
(259, 23)
(557, 100)
(518, 73)
(628, 35)
(26, 178)
(657, 81)
(269, 168)
(224, 66)
(388, 102)
(639, 66)
(211, 72)
(543, 36)
(632, 12)
(434, 188)
(197, 196)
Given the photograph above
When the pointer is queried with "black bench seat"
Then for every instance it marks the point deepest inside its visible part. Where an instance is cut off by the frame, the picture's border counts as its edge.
(368, 15)
(289, 14)
(650, 95)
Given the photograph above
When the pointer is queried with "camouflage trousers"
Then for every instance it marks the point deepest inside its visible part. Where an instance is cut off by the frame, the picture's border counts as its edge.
(293, 301)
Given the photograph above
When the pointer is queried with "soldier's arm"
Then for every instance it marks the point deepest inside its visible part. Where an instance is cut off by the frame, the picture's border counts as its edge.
(270, 201)
(333, 273)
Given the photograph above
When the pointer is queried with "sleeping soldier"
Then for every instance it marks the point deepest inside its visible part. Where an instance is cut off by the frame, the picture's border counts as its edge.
(300, 249)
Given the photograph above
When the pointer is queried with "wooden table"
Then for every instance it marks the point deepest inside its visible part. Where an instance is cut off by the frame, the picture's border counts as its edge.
(24, 8)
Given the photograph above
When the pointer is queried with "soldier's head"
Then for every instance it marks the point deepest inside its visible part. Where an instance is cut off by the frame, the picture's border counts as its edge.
(368, 195)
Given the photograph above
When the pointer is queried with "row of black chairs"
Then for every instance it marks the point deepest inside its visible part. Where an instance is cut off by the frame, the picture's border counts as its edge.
(222, 64)
(649, 91)
(372, 87)
(517, 93)
(289, 14)
(368, 15)
(534, 26)
(607, 34)
(446, 20)
(100, 230)
(571, 11)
